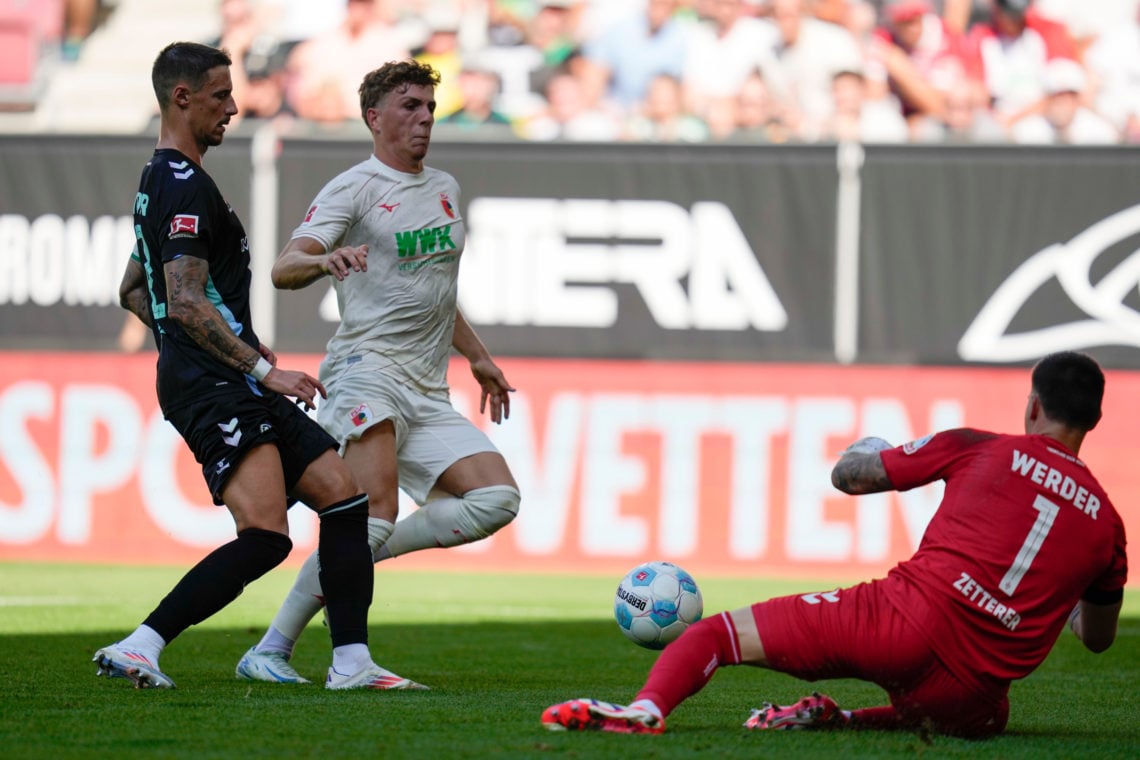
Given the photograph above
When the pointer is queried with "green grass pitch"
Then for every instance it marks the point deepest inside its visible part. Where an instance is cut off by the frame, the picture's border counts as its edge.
(496, 650)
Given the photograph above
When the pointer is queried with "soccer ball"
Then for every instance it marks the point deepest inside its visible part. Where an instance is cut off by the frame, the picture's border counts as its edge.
(655, 602)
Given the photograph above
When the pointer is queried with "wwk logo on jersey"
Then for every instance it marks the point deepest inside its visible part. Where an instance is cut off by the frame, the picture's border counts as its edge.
(425, 241)
(183, 226)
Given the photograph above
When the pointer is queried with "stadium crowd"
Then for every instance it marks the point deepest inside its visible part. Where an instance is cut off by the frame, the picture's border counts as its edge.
(755, 71)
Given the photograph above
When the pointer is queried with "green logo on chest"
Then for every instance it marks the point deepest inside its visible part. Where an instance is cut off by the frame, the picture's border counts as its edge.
(423, 242)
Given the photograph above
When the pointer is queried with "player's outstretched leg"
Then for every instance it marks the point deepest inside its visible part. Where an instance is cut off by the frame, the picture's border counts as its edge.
(592, 715)
(115, 661)
(818, 711)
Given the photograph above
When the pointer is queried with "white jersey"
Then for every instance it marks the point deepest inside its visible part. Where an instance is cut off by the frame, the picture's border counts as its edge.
(400, 314)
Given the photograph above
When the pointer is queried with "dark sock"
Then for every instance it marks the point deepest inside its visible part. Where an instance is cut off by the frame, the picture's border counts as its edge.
(218, 579)
(346, 569)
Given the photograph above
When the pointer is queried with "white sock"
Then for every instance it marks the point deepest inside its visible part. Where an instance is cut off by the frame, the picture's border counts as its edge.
(351, 659)
(452, 521)
(146, 641)
(378, 533)
(303, 601)
(429, 527)
(649, 706)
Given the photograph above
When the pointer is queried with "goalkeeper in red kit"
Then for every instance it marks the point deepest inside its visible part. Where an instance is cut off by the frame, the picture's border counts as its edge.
(1024, 541)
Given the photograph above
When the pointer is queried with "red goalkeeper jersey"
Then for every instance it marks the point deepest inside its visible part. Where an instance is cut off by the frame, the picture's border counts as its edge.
(1023, 532)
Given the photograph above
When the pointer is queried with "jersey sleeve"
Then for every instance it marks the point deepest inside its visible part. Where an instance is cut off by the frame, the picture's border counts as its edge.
(1109, 587)
(188, 220)
(931, 458)
(330, 215)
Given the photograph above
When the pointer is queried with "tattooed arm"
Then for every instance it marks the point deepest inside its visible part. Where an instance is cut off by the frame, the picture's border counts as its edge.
(133, 293)
(188, 305)
(860, 468)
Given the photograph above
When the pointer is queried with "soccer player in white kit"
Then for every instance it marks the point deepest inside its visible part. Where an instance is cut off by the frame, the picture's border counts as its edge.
(389, 233)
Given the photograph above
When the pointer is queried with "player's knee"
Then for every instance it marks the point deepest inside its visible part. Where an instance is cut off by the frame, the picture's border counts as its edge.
(489, 509)
(266, 548)
(343, 483)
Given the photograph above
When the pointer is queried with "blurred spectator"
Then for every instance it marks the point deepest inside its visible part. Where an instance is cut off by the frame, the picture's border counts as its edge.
(921, 55)
(551, 33)
(724, 49)
(507, 20)
(324, 72)
(1064, 120)
(568, 116)
(960, 14)
(758, 117)
(478, 88)
(1010, 51)
(662, 116)
(721, 117)
(239, 29)
(1088, 21)
(832, 11)
(264, 93)
(967, 117)
(79, 21)
(1114, 59)
(440, 50)
(293, 21)
(526, 62)
(631, 53)
(856, 119)
(809, 54)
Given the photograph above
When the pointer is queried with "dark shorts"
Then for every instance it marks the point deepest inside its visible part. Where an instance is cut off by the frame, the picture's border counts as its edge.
(857, 633)
(222, 428)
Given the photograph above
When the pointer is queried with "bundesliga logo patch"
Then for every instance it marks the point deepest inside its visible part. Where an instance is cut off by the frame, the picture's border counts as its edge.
(360, 415)
(184, 225)
(309, 216)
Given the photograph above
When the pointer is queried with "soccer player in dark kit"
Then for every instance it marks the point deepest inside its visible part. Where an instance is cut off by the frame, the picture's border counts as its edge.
(221, 389)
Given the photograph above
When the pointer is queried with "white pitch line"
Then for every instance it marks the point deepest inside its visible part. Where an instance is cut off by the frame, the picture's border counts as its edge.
(42, 601)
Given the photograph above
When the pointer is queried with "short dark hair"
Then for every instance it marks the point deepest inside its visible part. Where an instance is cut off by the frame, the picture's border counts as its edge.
(188, 62)
(390, 77)
(1070, 386)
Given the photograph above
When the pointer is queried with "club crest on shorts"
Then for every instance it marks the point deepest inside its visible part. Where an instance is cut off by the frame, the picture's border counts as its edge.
(360, 415)
(445, 202)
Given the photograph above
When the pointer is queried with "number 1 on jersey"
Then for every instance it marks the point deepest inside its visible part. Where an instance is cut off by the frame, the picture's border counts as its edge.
(1046, 514)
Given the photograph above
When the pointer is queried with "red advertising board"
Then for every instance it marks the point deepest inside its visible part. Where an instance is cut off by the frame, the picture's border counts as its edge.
(721, 467)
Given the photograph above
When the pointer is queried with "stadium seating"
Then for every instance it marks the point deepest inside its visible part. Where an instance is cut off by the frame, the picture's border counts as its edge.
(29, 40)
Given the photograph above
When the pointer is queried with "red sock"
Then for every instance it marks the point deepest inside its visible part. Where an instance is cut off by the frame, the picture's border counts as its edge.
(686, 665)
(885, 717)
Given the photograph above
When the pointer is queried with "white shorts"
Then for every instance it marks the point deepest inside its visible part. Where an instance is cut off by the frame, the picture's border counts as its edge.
(430, 435)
